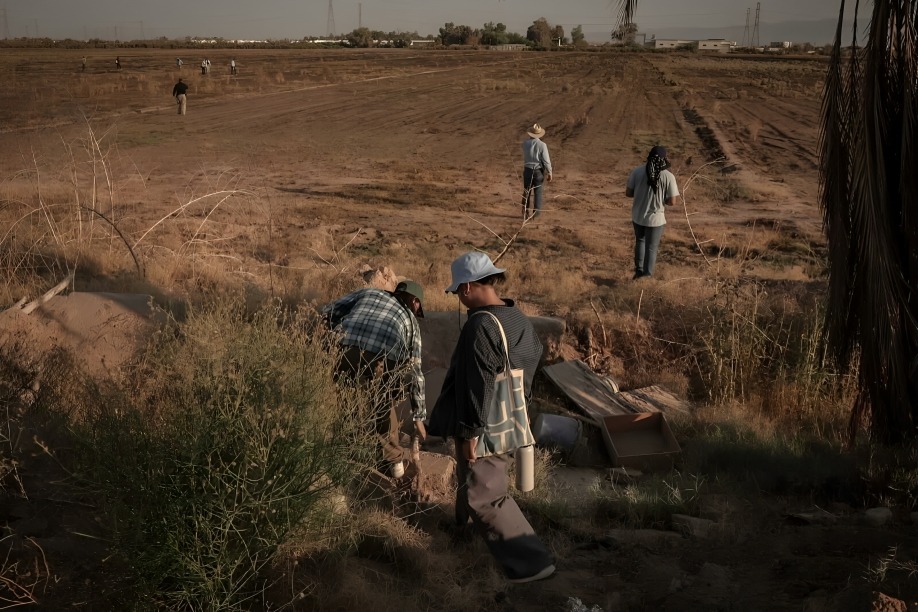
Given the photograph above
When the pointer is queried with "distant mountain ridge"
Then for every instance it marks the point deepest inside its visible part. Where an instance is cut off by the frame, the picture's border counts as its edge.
(818, 32)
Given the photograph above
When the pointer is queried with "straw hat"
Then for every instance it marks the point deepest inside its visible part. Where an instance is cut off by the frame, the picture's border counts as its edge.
(536, 131)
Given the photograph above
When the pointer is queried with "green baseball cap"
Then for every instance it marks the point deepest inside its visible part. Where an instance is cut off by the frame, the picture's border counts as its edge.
(412, 288)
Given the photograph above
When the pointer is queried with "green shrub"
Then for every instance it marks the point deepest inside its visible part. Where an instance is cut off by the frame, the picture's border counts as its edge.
(227, 439)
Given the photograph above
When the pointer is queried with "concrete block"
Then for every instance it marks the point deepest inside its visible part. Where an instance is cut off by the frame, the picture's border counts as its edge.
(649, 538)
(877, 517)
(694, 527)
(435, 478)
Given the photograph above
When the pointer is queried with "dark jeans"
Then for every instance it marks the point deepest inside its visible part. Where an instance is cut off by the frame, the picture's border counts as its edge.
(367, 369)
(532, 191)
(646, 243)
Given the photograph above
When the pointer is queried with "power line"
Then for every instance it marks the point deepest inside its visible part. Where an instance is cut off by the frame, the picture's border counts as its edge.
(746, 37)
(330, 25)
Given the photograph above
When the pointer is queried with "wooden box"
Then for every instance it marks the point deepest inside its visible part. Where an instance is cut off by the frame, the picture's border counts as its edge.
(643, 441)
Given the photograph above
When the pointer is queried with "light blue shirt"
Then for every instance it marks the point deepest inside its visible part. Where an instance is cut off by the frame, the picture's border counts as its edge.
(535, 155)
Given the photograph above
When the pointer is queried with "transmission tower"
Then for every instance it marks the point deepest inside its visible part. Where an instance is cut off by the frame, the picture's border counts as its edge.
(6, 23)
(360, 14)
(330, 26)
(755, 30)
(746, 39)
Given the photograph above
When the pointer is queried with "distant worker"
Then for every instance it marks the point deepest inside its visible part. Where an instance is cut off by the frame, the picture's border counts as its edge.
(233, 66)
(208, 66)
(178, 92)
(84, 64)
(118, 63)
(204, 66)
(178, 63)
(536, 169)
(653, 187)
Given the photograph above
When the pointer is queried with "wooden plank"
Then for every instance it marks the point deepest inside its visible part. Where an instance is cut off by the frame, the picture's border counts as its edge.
(651, 399)
(597, 396)
(593, 394)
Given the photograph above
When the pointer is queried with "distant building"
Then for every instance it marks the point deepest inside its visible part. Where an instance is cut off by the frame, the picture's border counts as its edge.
(508, 47)
(420, 42)
(710, 45)
(780, 45)
(668, 43)
(716, 45)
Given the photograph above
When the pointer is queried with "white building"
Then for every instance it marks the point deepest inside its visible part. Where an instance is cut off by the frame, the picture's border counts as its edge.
(717, 45)
(668, 43)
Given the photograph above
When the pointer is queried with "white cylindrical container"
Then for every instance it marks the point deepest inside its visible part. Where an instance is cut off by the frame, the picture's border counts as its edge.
(398, 469)
(525, 468)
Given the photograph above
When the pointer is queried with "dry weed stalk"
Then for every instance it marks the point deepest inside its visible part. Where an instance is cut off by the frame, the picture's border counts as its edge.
(20, 584)
(338, 252)
(508, 242)
(696, 175)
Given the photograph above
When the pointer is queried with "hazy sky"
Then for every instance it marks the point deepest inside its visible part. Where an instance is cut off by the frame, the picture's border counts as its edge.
(257, 19)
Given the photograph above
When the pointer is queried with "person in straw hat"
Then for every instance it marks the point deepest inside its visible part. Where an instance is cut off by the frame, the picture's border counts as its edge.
(536, 170)
(380, 337)
(461, 412)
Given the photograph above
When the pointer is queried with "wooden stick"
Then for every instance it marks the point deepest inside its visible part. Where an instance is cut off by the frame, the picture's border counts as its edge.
(49, 294)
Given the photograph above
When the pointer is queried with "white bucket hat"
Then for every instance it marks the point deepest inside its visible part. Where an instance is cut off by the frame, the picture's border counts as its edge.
(536, 131)
(471, 267)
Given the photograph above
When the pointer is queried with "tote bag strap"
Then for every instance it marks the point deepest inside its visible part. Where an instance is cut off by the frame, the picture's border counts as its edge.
(503, 337)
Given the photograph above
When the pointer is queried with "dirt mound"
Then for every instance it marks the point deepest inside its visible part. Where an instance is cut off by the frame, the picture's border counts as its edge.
(103, 330)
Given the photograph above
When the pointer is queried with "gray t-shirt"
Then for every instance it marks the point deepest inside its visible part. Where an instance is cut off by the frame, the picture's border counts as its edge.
(647, 209)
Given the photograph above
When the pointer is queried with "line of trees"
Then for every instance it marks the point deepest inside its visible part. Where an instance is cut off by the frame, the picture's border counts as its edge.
(539, 34)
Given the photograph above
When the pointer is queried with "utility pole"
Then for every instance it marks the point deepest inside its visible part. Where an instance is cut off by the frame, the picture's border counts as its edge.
(747, 40)
(330, 26)
(360, 14)
(6, 24)
(755, 30)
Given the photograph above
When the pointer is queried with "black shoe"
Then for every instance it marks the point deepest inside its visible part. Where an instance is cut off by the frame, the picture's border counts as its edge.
(545, 573)
(637, 274)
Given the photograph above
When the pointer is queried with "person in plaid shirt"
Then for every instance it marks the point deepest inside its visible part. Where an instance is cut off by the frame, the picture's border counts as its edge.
(381, 338)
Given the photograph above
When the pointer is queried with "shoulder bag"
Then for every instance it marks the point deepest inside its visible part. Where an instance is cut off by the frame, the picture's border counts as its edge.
(507, 427)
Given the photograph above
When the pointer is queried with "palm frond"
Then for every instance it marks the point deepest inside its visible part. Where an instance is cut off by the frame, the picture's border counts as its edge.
(626, 9)
(869, 186)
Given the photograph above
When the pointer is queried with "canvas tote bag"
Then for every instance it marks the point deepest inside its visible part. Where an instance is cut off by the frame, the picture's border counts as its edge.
(508, 420)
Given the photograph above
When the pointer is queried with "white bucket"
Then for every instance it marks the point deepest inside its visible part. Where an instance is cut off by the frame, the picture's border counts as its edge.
(557, 430)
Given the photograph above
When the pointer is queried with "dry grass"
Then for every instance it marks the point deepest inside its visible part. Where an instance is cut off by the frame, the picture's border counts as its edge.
(731, 322)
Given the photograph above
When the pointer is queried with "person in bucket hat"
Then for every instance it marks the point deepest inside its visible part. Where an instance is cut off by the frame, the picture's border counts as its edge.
(536, 170)
(461, 413)
(380, 337)
(653, 187)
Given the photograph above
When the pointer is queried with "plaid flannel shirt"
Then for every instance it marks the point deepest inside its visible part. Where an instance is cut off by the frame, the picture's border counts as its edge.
(375, 321)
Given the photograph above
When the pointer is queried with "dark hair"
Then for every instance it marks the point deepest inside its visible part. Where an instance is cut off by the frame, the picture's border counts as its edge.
(657, 162)
(494, 279)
